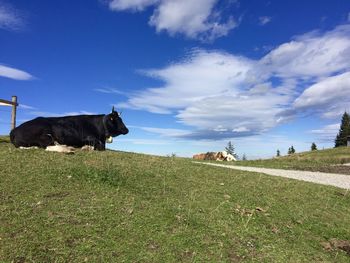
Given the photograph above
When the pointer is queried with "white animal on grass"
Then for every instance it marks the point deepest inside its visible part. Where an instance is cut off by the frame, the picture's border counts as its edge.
(28, 148)
(60, 148)
(227, 156)
(67, 149)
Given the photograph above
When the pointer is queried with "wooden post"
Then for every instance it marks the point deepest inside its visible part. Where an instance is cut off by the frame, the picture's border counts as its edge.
(14, 111)
(348, 141)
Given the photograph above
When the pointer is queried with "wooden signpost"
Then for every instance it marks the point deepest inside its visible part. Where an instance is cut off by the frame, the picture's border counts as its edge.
(14, 105)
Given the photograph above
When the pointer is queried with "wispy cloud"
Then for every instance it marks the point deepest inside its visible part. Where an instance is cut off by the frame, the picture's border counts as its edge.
(223, 95)
(166, 132)
(110, 91)
(215, 134)
(202, 74)
(330, 96)
(263, 20)
(26, 107)
(196, 19)
(53, 114)
(10, 18)
(326, 133)
(132, 5)
(12, 73)
(218, 94)
(312, 55)
(144, 141)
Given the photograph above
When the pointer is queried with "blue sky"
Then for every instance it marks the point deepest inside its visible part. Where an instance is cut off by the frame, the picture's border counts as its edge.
(188, 75)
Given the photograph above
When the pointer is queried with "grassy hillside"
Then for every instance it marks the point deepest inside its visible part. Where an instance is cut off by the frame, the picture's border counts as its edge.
(328, 160)
(124, 207)
(4, 139)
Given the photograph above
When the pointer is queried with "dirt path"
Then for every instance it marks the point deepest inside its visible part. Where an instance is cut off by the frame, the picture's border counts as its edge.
(338, 180)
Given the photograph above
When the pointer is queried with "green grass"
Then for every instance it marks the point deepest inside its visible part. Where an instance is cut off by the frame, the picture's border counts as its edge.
(4, 139)
(124, 207)
(328, 160)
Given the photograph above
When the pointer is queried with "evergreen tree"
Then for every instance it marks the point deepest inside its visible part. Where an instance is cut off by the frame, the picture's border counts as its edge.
(344, 131)
(291, 150)
(313, 147)
(278, 153)
(244, 157)
(231, 149)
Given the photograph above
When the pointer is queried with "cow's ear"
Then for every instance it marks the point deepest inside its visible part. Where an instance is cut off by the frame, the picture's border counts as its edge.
(120, 113)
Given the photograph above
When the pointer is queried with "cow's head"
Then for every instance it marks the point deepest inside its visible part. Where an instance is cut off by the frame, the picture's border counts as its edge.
(114, 124)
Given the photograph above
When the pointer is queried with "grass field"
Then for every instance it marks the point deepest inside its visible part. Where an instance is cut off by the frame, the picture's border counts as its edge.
(125, 207)
(328, 160)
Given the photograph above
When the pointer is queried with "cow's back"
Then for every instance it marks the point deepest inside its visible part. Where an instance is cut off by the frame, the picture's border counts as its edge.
(36, 132)
(77, 130)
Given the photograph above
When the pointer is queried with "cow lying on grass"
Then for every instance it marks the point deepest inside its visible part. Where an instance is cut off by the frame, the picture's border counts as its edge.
(71, 131)
(215, 156)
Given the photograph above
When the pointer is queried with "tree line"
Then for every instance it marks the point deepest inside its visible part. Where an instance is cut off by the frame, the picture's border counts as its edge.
(340, 140)
(291, 150)
(344, 131)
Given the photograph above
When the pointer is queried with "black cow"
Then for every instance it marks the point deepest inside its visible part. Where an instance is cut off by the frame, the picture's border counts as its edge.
(75, 131)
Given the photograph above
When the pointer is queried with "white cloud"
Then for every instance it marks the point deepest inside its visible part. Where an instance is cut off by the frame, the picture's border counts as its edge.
(10, 19)
(193, 18)
(13, 73)
(330, 96)
(196, 19)
(214, 92)
(241, 129)
(223, 95)
(220, 128)
(255, 112)
(134, 5)
(263, 20)
(311, 55)
(201, 75)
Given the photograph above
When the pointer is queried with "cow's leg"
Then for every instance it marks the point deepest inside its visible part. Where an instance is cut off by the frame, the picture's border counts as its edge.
(60, 148)
(100, 146)
(96, 143)
(45, 140)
